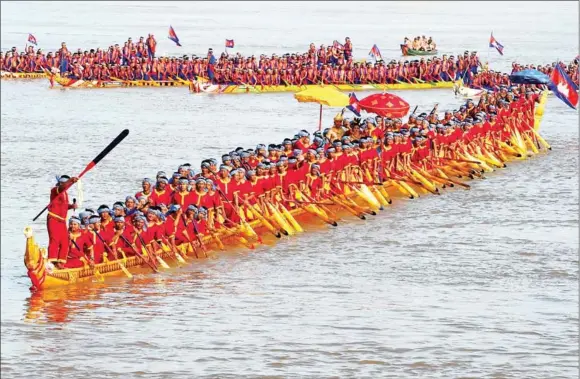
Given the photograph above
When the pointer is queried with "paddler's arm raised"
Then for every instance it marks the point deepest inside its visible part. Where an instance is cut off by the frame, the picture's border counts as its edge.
(65, 182)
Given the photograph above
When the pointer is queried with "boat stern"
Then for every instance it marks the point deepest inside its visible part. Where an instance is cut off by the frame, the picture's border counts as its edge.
(540, 110)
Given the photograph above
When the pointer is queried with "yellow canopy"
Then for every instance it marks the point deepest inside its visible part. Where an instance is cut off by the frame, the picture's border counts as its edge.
(329, 96)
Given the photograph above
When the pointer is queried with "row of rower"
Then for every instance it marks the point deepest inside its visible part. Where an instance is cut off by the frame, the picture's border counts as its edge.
(266, 183)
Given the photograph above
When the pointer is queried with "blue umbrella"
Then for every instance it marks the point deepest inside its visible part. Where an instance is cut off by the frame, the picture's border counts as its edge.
(529, 76)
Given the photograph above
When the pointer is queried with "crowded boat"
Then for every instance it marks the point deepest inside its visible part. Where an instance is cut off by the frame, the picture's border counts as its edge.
(490, 80)
(136, 62)
(420, 45)
(356, 167)
(571, 69)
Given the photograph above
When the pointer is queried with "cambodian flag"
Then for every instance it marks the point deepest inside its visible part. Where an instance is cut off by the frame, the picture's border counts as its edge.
(564, 87)
(353, 104)
(172, 36)
(230, 43)
(375, 52)
(31, 39)
(494, 43)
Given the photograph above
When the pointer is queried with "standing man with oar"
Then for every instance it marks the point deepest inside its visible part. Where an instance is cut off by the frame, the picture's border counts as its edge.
(58, 243)
(58, 207)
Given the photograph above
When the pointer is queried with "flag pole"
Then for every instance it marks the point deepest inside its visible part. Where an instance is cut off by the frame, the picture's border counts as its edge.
(488, 51)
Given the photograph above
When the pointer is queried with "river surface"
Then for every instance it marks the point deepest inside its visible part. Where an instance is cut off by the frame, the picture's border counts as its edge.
(479, 283)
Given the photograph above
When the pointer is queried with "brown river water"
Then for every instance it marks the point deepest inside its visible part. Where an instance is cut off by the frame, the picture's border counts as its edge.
(480, 283)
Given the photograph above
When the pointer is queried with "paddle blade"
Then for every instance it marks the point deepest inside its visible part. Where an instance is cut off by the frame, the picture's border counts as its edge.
(129, 275)
(105, 151)
(162, 262)
(180, 258)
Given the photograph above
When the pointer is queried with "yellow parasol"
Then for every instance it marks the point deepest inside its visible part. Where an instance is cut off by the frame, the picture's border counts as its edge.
(328, 96)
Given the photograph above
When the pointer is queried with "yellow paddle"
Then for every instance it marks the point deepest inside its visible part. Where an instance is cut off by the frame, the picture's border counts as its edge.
(108, 248)
(279, 218)
(291, 218)
(153, 253)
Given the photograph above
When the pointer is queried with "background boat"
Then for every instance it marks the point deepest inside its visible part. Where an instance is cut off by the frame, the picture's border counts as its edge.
(410, 52)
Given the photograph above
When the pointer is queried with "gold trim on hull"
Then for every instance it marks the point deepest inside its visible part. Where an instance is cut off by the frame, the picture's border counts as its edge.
(239, 89)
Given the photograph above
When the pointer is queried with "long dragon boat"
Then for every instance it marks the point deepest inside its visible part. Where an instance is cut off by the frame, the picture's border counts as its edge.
(205, 87)
(43, 277)
(411, 52)
(23, 75)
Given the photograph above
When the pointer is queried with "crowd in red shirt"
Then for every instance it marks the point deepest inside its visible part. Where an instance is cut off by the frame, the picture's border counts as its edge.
(571, 68)
(493, 80)
(325, 64)
(176, 209)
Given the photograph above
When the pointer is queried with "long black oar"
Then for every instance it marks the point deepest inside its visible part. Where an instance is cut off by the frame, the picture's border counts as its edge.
(94, 162)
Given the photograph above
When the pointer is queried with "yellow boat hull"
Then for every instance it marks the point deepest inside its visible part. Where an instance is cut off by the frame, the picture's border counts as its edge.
(239, 89)
(22, 75)
(341, 87)
(81, 83)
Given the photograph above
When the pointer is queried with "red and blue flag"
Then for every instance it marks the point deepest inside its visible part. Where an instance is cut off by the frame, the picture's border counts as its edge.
(172, 36)
(564, 87)
(353, 104)
(495, 43)
(230, 43)
(31, 39)
(375, 53)
(337, 44)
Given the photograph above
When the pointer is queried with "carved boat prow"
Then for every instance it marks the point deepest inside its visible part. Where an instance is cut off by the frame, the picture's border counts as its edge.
(34, 260)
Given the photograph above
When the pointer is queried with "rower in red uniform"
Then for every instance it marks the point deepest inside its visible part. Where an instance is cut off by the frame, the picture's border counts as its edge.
(303, 142)
(224, 187)
(181, 196)
(58, 244)
(202, 223)
(185, 231)
(161, 194)
(99, 247)
(81, 246)
(240, 187)
(142, 238)
(130, 207)
(314, 182)
(106, 218)
(197, 194)
(146, 184)
(171, 222)
(123, 240)
(213, 200)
